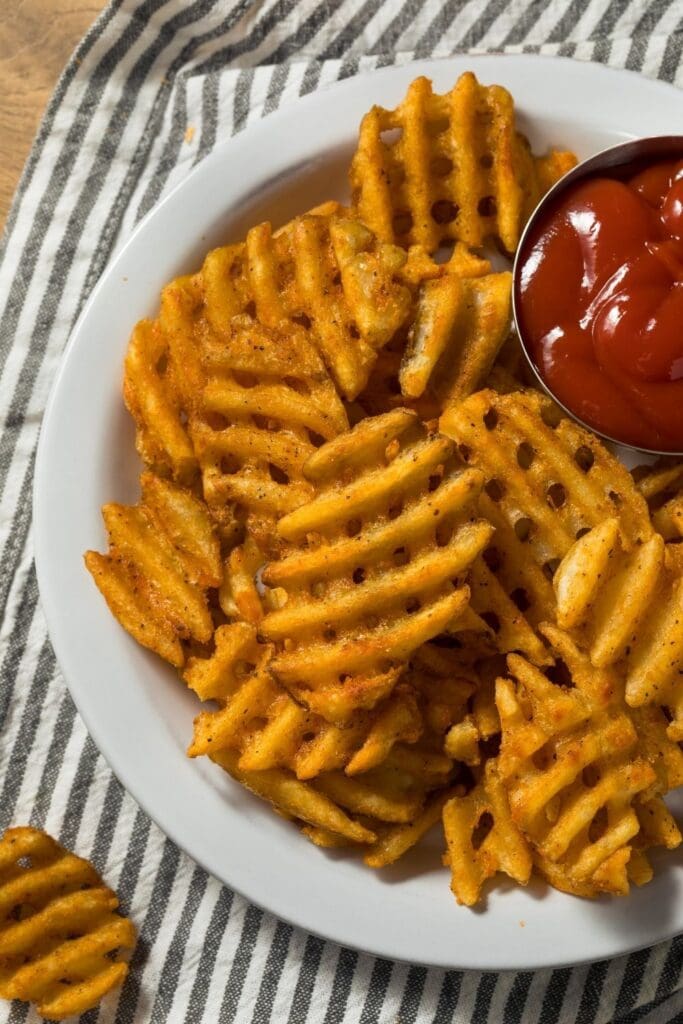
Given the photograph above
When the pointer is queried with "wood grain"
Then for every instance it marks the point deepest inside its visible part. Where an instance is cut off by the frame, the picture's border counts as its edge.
(37, 38)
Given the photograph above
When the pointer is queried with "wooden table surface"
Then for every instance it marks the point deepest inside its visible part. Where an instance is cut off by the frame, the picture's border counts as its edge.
(37, 38)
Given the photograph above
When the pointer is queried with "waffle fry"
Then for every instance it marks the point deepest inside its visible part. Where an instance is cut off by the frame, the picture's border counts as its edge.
(459, 327)
(482, 839)
(628, 604)
(572, 767)
(336, 808)
(295, 799)
(60, 938)
(662, 487)
(382, 393)
(322, 270)
(163, 555)
(238, 594)
(161, 376)
(268, 401)
(449, 167)
(545, 485)
(259, 719)
(390, 530)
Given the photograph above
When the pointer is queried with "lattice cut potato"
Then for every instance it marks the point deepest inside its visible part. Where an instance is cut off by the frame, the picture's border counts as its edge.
(377, 565)
(449, 167)
(547, 482)
(163, 378)
(460, 325)
(268, 402)
(163, 557)
(324, 270)
(259, 719)
(576, 776)
(662, 487)
(482, 839)
(626, 602)
(61, 941)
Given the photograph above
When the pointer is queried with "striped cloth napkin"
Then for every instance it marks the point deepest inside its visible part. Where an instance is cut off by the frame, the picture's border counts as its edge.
(147, 94)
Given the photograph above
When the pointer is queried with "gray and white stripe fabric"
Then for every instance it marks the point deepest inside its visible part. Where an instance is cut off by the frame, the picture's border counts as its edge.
(114, 139)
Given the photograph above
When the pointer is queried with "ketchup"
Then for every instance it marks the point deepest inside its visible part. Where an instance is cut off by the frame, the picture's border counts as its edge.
(600, 301)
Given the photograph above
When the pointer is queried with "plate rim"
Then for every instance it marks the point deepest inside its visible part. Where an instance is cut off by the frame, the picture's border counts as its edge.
(97, 731)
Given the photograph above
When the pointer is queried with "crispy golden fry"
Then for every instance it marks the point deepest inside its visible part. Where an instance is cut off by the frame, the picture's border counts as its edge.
(378, 550)
(573, 767)
(60, 940)
(662, 487)
(393, 792)
(449, 167)
(627, 603)
(238, 594)
(659, 482)
(268, 401)
(382, 393)
(163, 555)
(323, 270)
(295, 799)
(547, 481)
(163, 379)
(482, 839)
(459, 328)
(259, 719)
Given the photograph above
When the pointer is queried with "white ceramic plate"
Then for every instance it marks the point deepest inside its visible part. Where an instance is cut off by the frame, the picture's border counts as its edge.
(132, 704)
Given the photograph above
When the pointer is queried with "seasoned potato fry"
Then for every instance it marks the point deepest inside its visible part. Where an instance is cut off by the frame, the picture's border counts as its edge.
(449, 167)
(482, 839)
(459, 327)
(547, 481)
(575, 770)
(627, 604)
(390, 530)
(163, 556)
(323, 270)
(60, 938)
(259, 719)
(162, 380)
(268, 400)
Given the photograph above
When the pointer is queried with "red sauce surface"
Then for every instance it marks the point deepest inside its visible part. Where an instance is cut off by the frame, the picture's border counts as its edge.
(600, 301)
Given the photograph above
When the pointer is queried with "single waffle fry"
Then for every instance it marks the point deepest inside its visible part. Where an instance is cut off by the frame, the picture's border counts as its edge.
(163, 555)
(547, 482)
(449, 167)
(60, 938)
(459, 328)
(627, 603)
(268, 401)
(259, 719)
(238, 595)
(380, 556)
(295, 799)
(482, 839)
(323, 270)
(570, 763)
(163, 379)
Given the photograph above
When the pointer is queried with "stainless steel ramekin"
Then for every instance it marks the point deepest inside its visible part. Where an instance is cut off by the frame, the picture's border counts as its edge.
(649, 150)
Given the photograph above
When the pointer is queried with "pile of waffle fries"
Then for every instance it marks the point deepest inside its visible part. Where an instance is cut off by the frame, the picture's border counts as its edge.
(409, 590)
